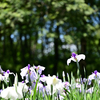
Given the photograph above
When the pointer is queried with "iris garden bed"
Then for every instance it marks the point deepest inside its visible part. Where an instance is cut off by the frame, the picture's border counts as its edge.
(36, 86)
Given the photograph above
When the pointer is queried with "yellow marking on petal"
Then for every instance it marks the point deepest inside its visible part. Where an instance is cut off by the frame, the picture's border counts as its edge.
(55, 81)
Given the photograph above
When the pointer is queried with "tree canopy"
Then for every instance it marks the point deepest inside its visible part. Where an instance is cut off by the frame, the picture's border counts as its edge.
(46, 32)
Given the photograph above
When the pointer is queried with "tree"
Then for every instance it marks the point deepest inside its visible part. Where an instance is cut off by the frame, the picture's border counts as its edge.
(27, 28)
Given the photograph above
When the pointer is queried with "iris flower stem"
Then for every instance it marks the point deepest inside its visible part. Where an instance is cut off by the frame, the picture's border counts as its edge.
(78, 66)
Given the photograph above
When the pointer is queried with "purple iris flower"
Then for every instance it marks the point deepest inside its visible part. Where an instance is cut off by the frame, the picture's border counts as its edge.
(95, 72)
(8, 71)
(33, 76)
(39, 69)
(23, 81)
(75, 58)
(1, 90)
(1, 71)
(28, 66)
(25, 71)
(94, 76)
(74, 55)
(90, 90)
(43, 75)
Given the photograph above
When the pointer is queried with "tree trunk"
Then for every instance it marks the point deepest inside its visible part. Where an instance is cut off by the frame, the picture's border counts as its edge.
(56, 56)
(82, 62)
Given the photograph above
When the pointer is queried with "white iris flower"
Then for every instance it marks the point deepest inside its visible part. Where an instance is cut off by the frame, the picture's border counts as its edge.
(75, 58)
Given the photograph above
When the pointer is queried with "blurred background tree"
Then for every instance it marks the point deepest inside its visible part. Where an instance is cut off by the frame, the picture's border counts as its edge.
(46, 32)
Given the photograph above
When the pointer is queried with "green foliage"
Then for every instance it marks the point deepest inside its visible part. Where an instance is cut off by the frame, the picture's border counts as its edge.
(33, 25)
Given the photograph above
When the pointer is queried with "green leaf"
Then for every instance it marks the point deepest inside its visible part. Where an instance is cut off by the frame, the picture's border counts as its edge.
(68, 39)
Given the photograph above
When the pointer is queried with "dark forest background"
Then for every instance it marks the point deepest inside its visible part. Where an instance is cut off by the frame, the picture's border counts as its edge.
(46, 32)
